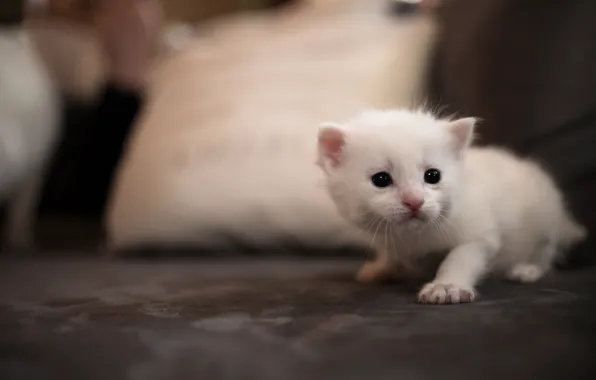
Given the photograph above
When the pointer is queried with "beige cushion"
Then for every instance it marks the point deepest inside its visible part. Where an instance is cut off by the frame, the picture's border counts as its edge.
(225, 147)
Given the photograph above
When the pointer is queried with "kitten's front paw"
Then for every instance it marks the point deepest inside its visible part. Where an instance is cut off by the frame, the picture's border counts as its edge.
(436, 293)
(372, 272)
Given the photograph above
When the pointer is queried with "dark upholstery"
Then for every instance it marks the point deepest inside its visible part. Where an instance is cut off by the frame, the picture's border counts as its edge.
(528, 69)
(281, 320)
(11, 12)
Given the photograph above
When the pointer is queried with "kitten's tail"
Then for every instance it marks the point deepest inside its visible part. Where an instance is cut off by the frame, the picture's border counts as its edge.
(571, 232)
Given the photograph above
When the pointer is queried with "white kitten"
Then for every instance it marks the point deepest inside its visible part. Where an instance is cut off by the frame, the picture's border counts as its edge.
(416, 186)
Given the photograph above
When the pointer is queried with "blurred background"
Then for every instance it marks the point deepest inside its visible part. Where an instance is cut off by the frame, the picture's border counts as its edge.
(526, 68)
(187, 128)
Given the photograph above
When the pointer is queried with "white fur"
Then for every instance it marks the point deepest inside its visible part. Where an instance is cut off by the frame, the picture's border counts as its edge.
(226, 141)
(491, 211)
(29, 116)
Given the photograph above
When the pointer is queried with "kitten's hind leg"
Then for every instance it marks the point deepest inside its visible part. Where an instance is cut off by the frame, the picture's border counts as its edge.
(533, 270)
(525, 272)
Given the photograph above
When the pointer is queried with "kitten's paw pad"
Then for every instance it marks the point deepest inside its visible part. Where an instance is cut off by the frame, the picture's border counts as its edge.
(525, 273)
(372, 272)
(435, 293)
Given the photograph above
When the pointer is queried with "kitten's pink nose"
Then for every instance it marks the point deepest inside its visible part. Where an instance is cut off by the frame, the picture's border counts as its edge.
(414, 204)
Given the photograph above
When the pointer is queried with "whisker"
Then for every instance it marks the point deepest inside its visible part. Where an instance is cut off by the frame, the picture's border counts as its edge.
(377, 230)
(438, 226)
(386, 227)
(369, 223)
(402, 242)
(393, 247)
(456, 228)
(365, 228)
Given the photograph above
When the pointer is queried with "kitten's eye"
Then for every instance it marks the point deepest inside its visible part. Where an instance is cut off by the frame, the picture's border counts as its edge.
(432, 176)
(382, 179)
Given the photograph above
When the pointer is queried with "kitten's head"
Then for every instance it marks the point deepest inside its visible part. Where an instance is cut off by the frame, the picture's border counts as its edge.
(394, 166)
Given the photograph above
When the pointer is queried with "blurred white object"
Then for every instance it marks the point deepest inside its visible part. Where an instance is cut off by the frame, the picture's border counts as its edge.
(72, 55)
(177, 37)
(227, 142)
(29, 118)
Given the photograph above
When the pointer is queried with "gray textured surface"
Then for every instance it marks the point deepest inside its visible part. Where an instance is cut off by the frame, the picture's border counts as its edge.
(281, 320)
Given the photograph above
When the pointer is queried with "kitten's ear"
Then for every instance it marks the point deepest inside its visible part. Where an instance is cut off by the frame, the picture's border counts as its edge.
(462, 132)
(331, 143)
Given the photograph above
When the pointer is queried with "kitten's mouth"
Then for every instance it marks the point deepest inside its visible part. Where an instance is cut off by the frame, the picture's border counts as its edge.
(413, 217)
(417, 215)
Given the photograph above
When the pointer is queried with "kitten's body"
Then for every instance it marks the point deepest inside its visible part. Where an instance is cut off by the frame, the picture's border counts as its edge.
(491, 211)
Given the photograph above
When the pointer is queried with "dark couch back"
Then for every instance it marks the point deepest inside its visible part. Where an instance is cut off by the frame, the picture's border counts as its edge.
(528, 68)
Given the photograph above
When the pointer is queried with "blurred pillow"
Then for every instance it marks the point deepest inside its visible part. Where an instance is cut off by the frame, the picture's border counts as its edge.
(225, 150)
